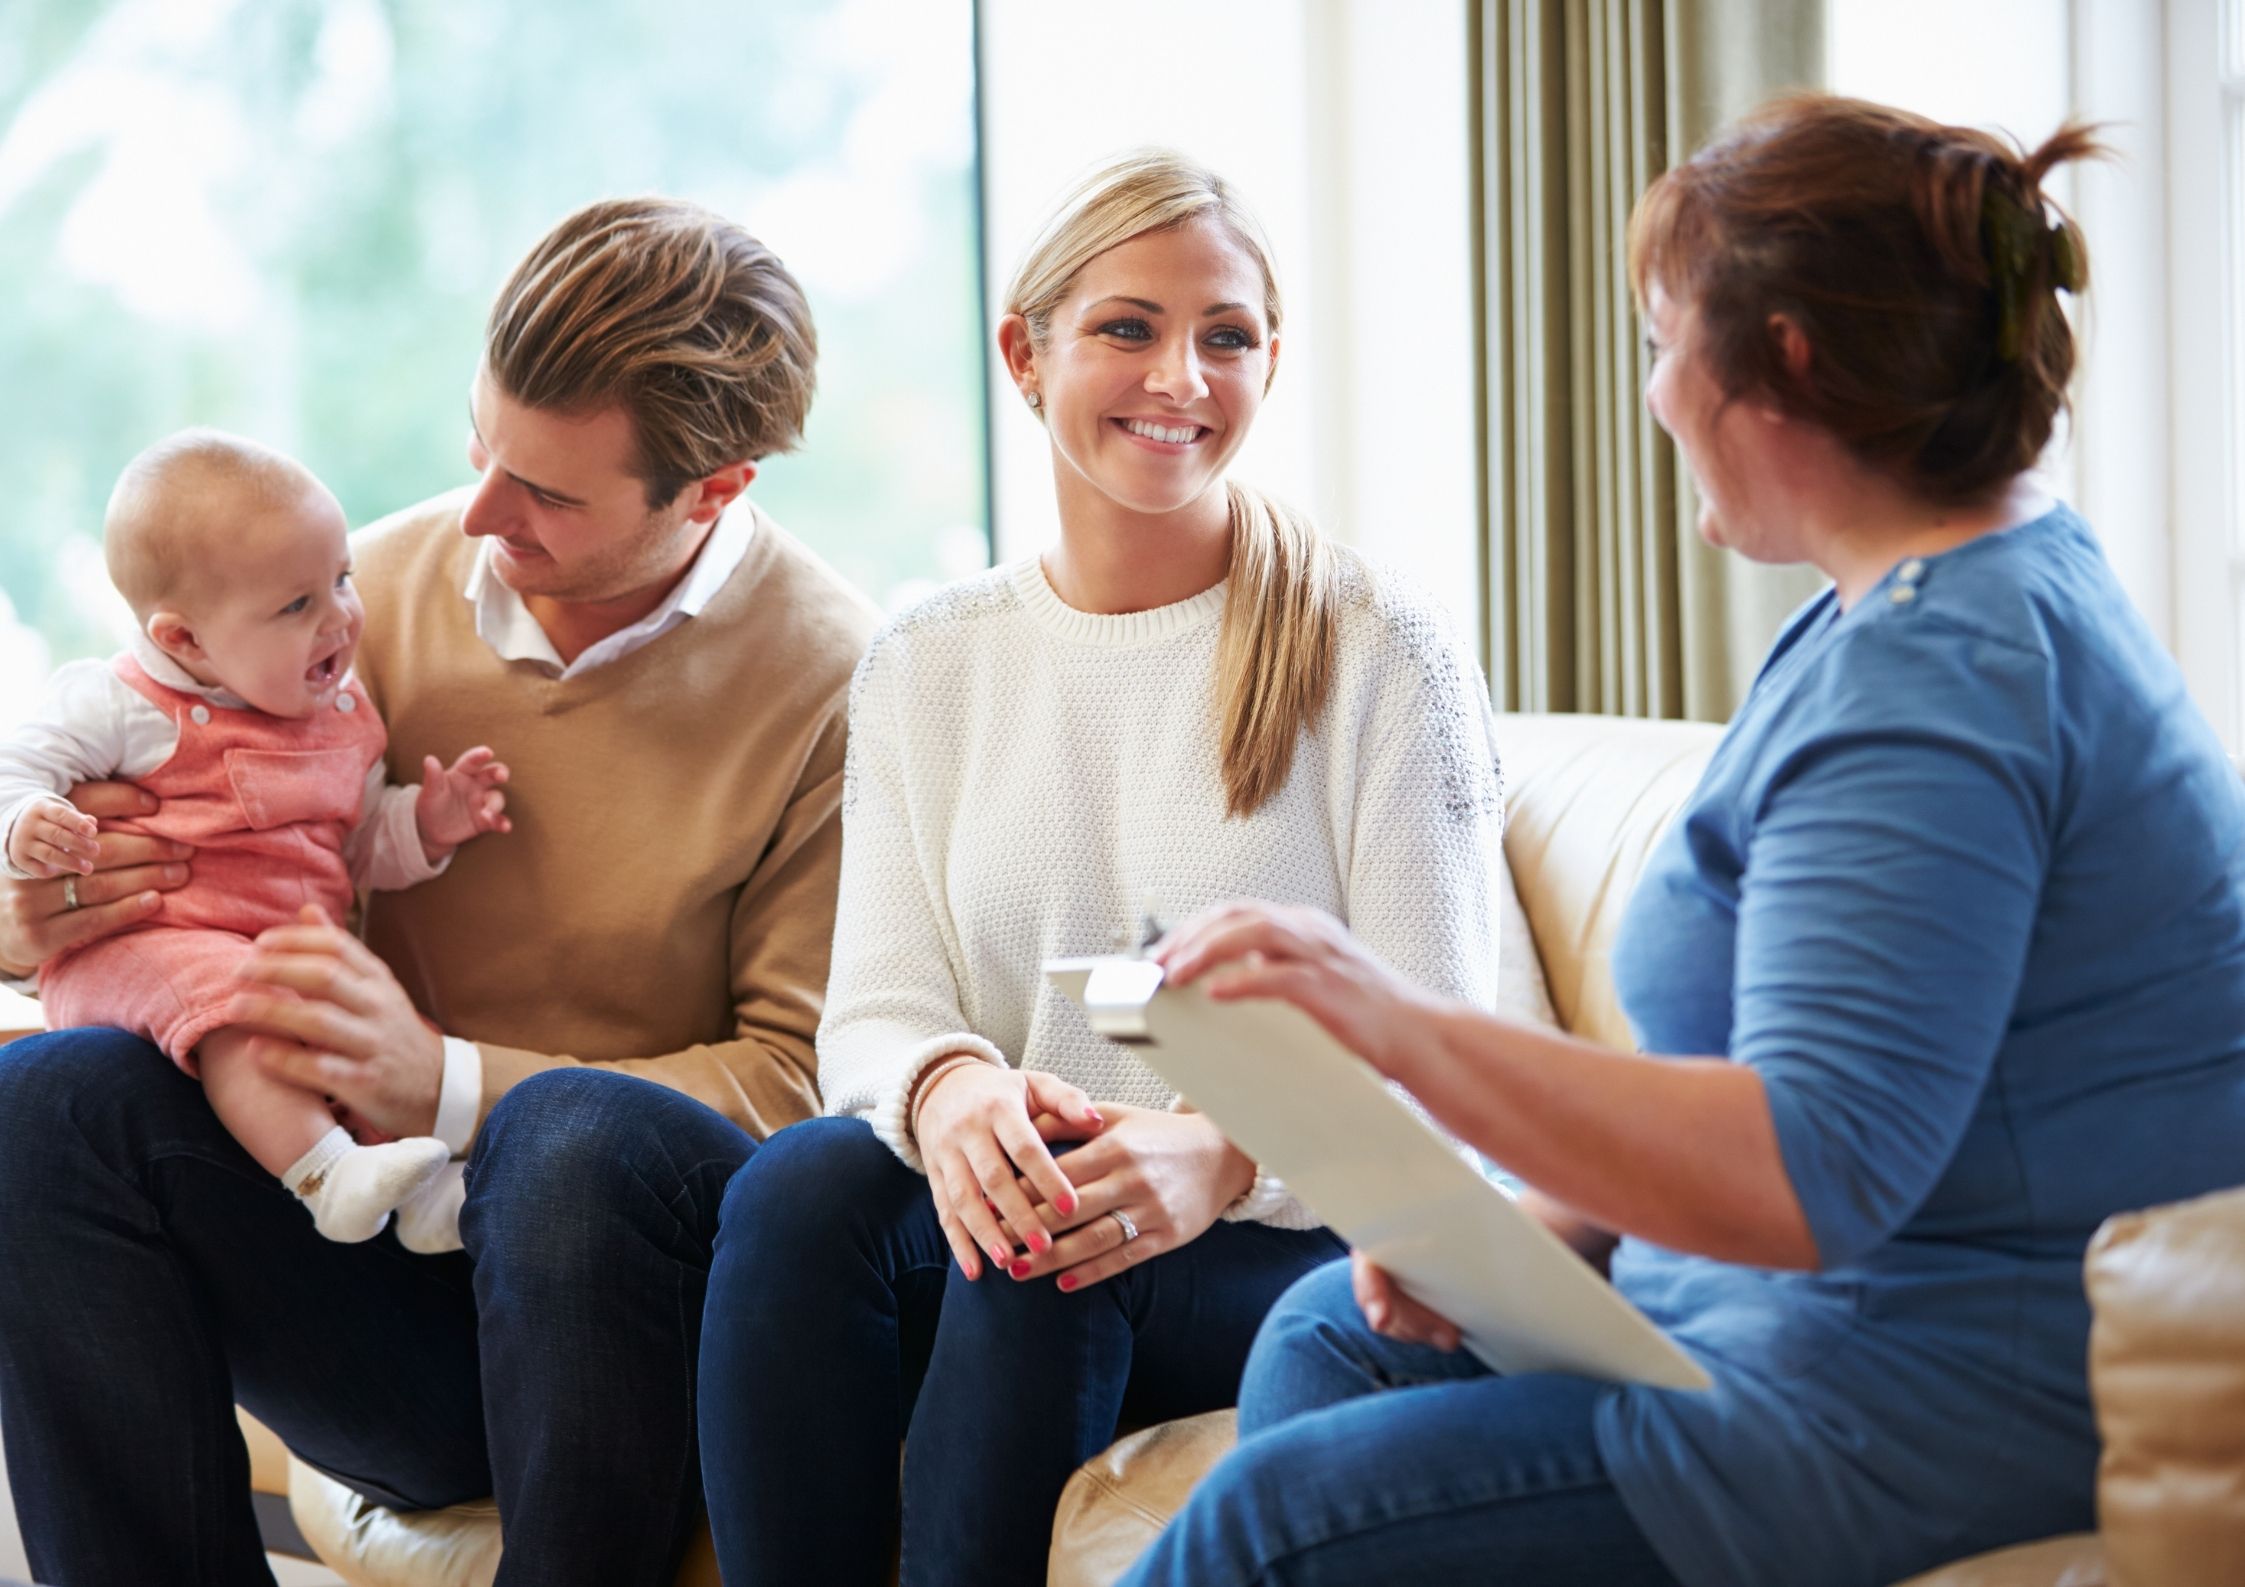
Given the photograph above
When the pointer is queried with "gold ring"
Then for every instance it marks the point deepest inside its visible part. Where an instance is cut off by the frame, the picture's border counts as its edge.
(69, 893)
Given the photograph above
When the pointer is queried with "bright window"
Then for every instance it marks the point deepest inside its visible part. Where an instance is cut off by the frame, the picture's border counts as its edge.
(288, 218)
(2232, 309)
(2205, 106)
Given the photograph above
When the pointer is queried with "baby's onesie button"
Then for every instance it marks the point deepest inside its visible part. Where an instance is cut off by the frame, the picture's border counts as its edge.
(200, 715)
(346, 702)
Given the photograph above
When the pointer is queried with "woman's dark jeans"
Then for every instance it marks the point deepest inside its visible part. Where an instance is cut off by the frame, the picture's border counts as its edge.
(839, 1325)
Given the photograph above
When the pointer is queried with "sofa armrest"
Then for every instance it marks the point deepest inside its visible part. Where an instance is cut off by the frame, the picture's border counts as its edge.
(2075, 1561)
(1117, 1504)
(2167, 1371)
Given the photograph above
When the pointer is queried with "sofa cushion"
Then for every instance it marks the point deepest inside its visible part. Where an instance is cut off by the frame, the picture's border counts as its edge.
(2167, 1370)
(1586, 798)
(2071, 1561)
(1116, 1505)
(268, 1456)
(370, 1546)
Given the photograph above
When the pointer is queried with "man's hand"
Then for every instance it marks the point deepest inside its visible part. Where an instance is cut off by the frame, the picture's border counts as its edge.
(130, 874)
(51, 838)
(353, 1034)
(459, 802)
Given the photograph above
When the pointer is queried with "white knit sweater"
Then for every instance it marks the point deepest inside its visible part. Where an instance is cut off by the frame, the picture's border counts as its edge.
(1025, 780)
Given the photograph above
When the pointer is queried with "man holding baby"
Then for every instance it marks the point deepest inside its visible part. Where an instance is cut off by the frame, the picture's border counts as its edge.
(663, 671)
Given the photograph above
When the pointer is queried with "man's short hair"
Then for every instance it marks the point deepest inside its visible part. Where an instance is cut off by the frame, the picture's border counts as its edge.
(690, 324)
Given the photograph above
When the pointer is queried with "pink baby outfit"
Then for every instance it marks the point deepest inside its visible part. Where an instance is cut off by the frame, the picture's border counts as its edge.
(267, 802)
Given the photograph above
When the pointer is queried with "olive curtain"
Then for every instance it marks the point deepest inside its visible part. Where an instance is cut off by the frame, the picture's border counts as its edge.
(1599, 594)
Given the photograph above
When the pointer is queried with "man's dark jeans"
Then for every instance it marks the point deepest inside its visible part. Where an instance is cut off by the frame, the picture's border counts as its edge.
(151, 1275)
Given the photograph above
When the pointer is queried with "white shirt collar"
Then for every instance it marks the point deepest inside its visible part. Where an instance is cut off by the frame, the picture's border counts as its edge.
(172, 675)
(505, 624)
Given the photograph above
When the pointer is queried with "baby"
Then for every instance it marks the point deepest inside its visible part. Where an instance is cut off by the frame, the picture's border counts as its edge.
(235, 706)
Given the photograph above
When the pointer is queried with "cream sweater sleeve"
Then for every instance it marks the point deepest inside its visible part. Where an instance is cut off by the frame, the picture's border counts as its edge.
(892, 1000)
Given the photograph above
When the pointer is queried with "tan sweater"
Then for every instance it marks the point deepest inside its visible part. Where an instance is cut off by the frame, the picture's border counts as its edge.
(665, 903)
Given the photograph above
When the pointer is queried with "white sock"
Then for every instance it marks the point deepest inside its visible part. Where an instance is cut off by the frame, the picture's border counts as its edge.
(429, 1220)
(351, 1189)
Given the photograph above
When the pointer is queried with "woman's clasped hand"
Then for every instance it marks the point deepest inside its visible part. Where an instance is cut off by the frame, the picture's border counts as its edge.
(1138, 1181)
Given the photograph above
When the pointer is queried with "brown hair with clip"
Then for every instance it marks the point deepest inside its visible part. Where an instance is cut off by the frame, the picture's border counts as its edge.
(1921, 263)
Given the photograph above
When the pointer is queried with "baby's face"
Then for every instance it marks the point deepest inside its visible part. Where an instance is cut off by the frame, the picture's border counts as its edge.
(282, 623)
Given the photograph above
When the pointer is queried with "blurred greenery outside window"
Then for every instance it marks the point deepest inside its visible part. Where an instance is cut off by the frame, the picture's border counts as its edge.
(288, 218)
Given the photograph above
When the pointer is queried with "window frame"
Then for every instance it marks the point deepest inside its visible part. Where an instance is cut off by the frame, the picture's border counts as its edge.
(2206, 252)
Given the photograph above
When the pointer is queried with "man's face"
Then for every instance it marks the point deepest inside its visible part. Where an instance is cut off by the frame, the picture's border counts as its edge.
(559, 497)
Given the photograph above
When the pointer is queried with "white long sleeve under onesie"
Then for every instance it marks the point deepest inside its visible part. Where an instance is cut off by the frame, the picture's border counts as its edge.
(92, 725)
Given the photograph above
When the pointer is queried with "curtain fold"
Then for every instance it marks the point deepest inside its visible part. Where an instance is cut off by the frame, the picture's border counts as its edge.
(1600, 595)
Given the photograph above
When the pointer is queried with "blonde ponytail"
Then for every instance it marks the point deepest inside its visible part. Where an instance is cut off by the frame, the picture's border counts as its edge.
(1274, 657)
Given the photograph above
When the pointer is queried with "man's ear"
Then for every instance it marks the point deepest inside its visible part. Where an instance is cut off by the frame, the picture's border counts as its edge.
(170, 633)
(716, 492)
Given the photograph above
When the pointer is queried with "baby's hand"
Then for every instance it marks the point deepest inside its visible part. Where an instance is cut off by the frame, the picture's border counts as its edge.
(461, 802)
(52, 839)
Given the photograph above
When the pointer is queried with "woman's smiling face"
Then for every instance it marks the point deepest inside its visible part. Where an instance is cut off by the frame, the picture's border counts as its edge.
(1156, 364)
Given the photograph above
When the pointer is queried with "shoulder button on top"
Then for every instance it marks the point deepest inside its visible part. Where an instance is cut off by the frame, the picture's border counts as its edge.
(346, 702)
(1911, 571)
(201, 715)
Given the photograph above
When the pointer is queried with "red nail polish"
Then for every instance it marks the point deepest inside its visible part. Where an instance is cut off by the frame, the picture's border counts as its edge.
(1000, 1255)
(1019, 1270)
(1067, 1206)
(1040, 1242)
(1068, 1281)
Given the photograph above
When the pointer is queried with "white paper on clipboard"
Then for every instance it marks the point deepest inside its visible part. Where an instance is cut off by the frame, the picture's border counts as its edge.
(1321, 1119)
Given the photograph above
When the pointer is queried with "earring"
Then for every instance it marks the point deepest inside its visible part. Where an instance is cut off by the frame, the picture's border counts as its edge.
(1035, 402)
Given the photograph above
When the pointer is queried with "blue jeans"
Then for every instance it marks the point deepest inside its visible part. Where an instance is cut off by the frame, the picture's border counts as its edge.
(1362, 1460)
(155, 1275)
(839, 1325)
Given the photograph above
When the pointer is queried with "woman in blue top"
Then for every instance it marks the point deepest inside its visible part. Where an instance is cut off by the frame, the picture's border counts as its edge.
(1942, 963)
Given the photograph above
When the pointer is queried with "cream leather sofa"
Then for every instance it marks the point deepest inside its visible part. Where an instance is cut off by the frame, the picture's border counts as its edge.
(1587, 797)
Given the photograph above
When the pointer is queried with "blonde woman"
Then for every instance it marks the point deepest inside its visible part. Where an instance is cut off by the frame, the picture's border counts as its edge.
(1187, 698)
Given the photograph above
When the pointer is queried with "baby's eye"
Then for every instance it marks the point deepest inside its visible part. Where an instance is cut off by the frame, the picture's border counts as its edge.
(343, 579)
(297, 605)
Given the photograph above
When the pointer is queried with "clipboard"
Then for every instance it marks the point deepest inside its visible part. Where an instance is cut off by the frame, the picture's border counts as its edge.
(1322, 1120)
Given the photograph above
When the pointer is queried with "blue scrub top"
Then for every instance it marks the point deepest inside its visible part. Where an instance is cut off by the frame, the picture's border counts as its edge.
(1965, 884)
